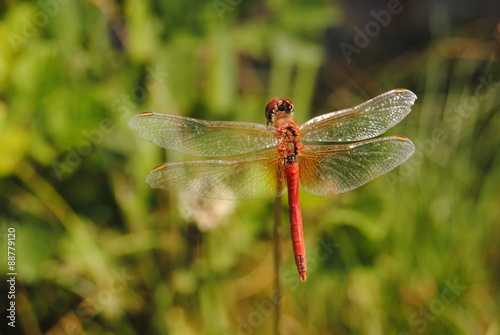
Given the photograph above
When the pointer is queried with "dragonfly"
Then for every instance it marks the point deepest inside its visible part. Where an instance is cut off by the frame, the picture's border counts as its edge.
(256, 161)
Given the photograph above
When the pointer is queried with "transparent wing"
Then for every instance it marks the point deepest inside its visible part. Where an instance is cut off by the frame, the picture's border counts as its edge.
(203, 138)
(333, 169)
(362, 122)
(256, 176)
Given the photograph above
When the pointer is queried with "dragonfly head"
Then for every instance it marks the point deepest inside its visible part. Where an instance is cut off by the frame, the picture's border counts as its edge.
(277, 109)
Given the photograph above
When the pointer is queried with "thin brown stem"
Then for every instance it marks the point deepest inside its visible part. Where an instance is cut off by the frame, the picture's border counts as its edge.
(277, 259)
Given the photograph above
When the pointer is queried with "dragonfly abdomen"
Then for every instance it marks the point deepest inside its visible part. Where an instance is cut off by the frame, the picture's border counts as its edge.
(297, 231)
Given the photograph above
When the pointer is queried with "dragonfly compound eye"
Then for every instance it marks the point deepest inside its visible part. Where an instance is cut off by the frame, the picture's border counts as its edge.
(286, 106)
(276, 105)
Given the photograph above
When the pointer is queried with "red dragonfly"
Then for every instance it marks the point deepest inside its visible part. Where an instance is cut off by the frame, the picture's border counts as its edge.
(265, 160)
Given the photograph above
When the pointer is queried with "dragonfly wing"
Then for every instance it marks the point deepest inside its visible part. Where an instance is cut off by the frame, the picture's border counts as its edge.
(333, 169)
(203, 138)
(255, 176)
(362, 122)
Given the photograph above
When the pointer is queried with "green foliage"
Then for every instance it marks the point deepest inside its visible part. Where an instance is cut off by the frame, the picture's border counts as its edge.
(98, 251)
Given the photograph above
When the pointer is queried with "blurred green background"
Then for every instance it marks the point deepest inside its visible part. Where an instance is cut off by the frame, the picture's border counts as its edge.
(98, 252)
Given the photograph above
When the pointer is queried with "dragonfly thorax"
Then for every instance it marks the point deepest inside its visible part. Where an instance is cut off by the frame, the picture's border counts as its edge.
(290, 144)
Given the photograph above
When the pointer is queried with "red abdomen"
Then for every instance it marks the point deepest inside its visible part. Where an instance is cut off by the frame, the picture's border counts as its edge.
(297, 232)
